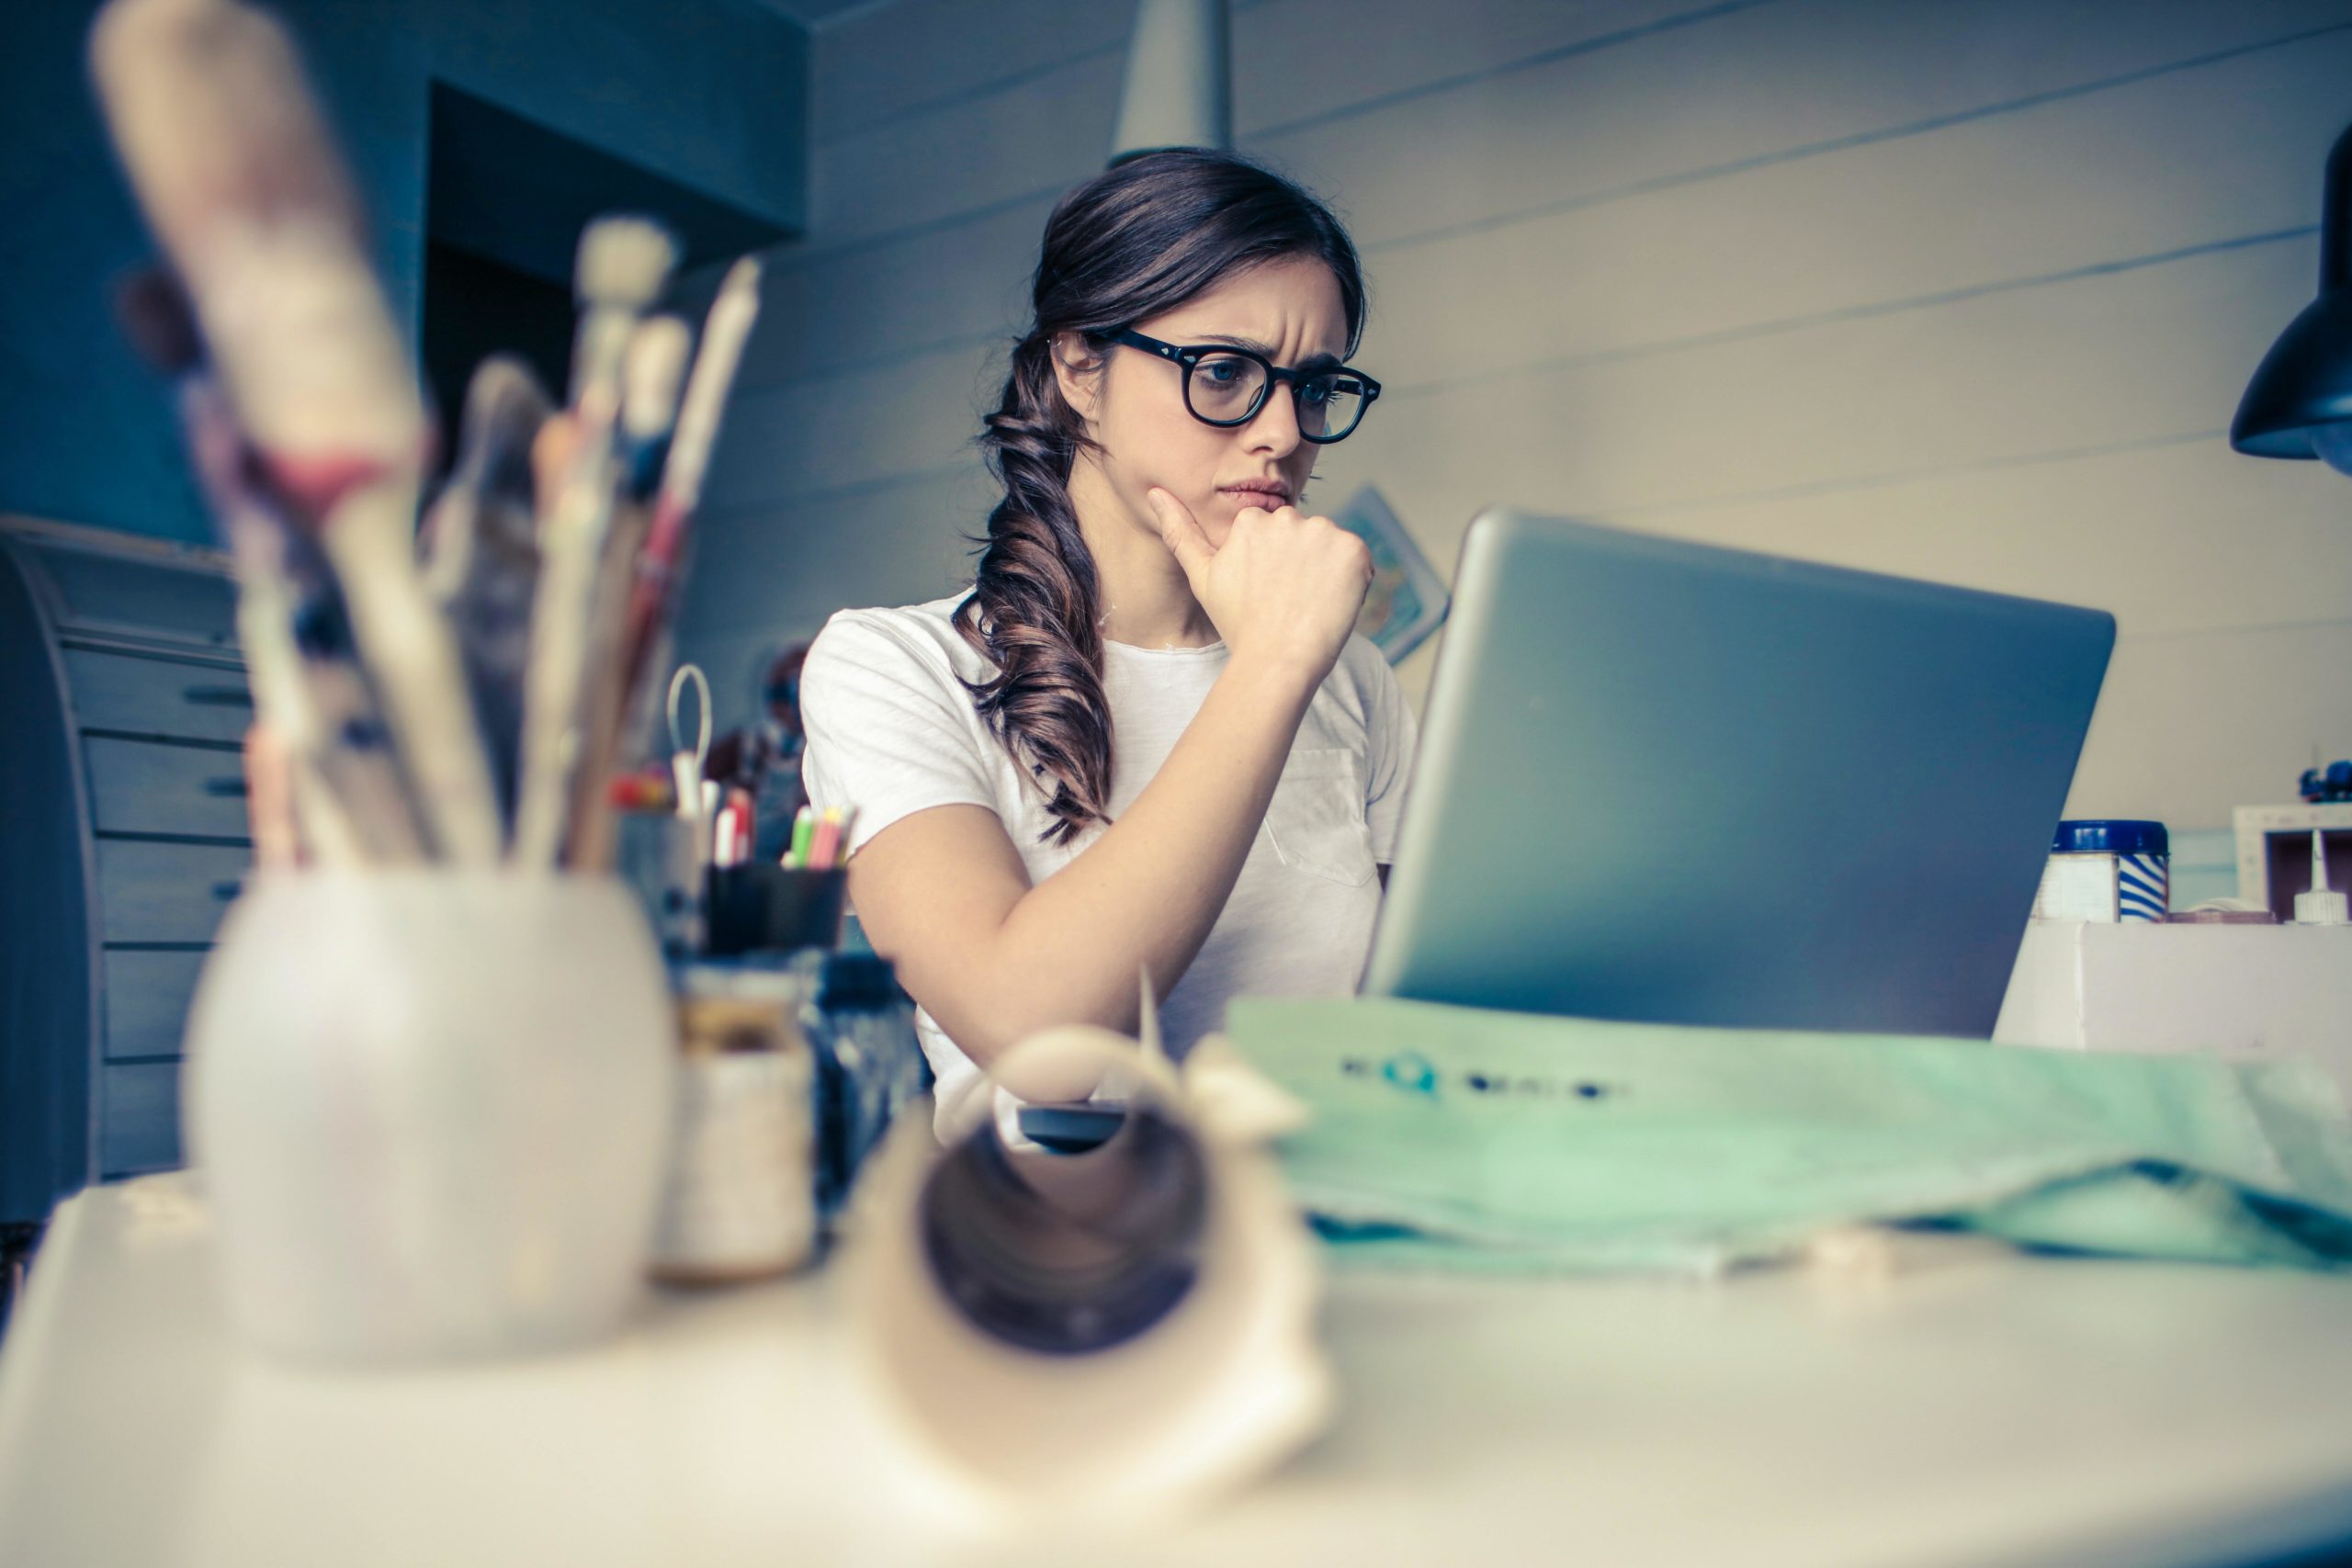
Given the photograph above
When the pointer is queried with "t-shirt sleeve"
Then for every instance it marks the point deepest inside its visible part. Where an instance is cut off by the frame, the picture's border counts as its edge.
(890, 731)
(1395, 735)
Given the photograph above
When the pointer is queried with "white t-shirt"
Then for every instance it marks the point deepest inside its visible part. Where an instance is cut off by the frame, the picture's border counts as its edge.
(891, 732)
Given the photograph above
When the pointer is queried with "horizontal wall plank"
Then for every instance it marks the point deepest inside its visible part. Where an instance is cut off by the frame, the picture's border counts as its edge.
(918, 55)
(1772, 82)
(1298, 60)
(2172, 539)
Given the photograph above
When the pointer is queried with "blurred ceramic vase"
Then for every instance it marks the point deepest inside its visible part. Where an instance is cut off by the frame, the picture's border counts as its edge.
(430, 1111)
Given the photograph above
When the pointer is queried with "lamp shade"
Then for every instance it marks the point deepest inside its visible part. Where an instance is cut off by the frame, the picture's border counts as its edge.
(1179, 90)
(2299, 402)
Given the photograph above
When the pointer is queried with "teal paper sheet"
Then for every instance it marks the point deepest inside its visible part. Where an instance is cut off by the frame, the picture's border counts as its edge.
(1463, 1138)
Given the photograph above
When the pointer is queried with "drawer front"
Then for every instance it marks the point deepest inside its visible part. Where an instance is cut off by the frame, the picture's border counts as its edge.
(147, 996)
(157, 696)
(166, 892)
(102, 592)
(138, 786)
(140, 1126)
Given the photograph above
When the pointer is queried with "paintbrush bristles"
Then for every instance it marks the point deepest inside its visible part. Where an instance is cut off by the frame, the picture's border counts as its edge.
(210, 109)
(233, 162)
(651, 375)
(623, 263)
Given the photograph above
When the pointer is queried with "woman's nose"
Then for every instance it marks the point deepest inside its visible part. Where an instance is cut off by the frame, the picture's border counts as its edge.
(1275, 429)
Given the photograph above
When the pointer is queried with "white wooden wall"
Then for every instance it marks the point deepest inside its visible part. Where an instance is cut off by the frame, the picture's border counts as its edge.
(1964, 290)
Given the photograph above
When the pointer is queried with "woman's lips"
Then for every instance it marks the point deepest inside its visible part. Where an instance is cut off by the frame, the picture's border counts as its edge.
(1269, 499)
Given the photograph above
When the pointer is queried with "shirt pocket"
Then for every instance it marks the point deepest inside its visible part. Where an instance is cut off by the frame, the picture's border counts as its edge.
(1317, 818)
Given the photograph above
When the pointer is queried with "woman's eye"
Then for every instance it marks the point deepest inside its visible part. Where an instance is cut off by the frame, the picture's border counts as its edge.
(1223, 373)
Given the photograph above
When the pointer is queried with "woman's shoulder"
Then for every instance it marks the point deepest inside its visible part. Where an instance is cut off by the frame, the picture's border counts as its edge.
(901, 638)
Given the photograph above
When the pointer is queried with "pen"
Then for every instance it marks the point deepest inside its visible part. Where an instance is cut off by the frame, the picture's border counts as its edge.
(804, 828)
(825, 840)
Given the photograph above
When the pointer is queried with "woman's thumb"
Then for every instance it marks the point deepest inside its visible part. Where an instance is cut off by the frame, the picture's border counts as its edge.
(1179, 530)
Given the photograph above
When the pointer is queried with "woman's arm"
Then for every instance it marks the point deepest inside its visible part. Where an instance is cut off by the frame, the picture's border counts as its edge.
(944, 892)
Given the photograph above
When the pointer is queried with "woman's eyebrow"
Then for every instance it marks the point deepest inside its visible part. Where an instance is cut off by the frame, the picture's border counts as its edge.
(1312, 362)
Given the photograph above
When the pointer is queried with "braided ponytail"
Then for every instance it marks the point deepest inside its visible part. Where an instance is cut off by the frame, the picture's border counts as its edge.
(1137, 240)
(1032, 609)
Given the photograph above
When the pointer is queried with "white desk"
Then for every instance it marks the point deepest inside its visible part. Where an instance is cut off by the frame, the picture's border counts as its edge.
(1975, 1408)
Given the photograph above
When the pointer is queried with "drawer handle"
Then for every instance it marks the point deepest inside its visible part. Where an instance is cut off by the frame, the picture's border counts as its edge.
(226, 892)
(219, 696)
(225, 789)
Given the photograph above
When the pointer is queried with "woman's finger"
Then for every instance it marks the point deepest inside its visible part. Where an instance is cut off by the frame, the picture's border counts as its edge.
(1181, 531)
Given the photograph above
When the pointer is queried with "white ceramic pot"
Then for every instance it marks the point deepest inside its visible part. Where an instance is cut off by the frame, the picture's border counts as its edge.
(431, 1110)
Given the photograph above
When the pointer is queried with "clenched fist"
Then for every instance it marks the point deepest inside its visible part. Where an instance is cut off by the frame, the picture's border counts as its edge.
(1284, 587)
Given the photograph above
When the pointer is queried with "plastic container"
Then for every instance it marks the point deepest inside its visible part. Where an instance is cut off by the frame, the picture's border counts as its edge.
(758, 906)
(2106, 871)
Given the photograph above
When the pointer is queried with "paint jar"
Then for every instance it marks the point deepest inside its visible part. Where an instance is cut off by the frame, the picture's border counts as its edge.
(740, 1199)
(2106, 872)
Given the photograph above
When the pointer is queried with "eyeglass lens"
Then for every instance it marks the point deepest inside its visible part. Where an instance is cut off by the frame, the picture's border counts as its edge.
(1225, 389)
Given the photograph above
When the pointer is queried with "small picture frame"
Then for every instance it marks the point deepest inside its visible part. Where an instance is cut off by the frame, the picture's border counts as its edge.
(1407, 600)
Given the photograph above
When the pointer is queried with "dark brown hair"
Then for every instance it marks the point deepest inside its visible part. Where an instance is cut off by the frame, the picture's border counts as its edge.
(1139, 239)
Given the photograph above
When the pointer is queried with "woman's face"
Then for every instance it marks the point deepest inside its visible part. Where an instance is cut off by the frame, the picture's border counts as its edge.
(1288, 310)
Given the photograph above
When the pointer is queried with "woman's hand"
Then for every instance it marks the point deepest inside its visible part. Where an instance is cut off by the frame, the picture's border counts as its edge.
(1284, 588)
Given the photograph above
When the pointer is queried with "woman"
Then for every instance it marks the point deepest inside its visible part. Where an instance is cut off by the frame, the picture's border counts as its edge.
(1145, 737)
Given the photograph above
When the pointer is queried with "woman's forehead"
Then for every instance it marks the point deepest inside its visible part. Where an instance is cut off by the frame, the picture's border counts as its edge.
(1291, 305)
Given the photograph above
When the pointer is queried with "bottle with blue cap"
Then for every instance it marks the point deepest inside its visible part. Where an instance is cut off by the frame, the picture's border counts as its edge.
(2106, 871)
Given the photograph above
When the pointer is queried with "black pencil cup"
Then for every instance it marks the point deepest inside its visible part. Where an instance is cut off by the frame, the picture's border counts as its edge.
(757, 906)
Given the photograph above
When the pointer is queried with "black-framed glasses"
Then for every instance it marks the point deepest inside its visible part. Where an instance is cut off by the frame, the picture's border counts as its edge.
(1228, 386)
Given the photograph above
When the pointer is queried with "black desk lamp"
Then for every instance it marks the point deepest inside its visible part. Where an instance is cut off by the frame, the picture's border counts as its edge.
(2299, 402)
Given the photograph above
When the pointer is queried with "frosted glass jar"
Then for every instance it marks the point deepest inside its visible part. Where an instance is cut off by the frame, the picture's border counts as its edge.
(431, 1111)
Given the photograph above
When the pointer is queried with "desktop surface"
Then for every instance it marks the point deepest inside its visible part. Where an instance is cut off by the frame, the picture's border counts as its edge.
(1960, 1403)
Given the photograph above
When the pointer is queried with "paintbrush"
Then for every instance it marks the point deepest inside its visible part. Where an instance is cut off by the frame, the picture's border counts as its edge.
(623, 264)
(482, 554)
(661, 563)
(232, 162)
(656, 363)
(308, 685)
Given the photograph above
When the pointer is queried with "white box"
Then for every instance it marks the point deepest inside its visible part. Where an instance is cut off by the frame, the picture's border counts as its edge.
(2248, 993)
(2255, 826)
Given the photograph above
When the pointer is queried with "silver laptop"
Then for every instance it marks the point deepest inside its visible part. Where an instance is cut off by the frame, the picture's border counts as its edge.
(1659, 781)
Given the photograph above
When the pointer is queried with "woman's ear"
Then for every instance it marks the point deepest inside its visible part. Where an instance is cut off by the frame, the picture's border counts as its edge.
(1079, 371)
